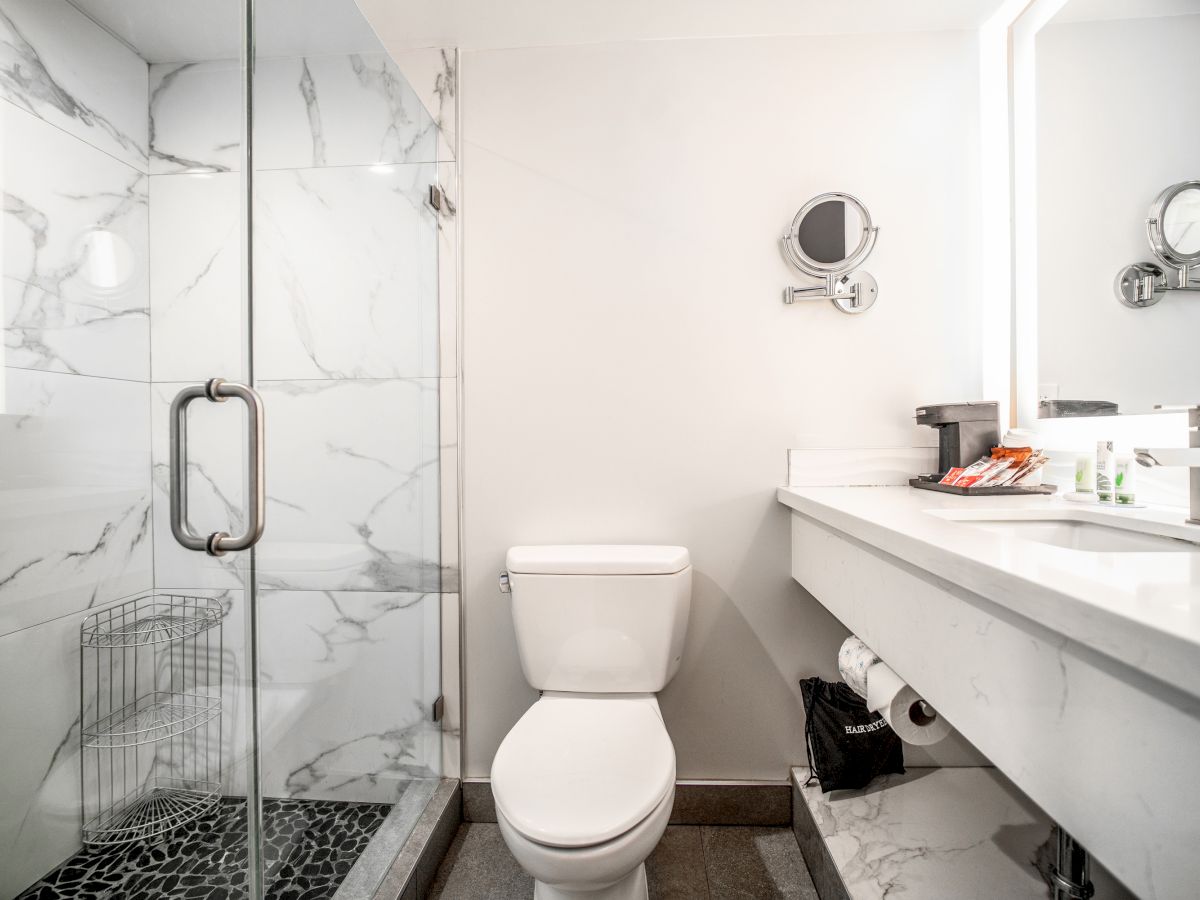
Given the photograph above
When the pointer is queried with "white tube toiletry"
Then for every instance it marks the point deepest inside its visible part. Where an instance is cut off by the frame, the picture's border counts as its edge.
(1125, 483)
(1106, 471)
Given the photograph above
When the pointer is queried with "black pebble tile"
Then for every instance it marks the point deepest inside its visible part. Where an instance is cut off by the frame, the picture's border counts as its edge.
(309, 847)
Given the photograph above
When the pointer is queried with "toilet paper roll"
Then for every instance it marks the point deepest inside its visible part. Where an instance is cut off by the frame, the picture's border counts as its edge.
(914, 720)
(854, 659)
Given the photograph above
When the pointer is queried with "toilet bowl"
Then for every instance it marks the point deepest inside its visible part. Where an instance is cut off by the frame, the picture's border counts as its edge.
(585, 780)
(583, 788)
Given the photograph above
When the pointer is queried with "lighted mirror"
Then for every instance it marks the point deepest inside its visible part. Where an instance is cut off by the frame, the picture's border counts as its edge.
(1117, 210)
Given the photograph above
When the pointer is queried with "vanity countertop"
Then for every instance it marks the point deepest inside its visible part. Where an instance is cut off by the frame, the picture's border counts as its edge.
(1142, 608)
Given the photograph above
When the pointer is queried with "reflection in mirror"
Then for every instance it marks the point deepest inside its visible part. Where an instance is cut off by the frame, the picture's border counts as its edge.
(1098, 174)
(1181, 222)
(829, 231)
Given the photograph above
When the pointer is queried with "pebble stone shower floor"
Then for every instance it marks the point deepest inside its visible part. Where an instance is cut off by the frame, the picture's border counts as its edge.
(310, 846)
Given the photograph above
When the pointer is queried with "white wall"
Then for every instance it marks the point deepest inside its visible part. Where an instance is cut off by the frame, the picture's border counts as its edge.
(1116, 125)
(630, 371)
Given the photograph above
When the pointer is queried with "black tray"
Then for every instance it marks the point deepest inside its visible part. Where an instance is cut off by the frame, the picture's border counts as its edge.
(996, 491)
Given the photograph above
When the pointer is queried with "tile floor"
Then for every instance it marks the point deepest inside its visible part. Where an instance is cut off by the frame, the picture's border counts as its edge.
(309, 846)
(690, 863)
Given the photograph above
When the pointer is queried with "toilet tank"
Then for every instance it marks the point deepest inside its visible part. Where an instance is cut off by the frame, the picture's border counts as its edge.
(600, 618)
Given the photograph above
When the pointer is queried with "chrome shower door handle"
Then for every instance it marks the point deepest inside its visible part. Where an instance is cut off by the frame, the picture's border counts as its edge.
(218, 543)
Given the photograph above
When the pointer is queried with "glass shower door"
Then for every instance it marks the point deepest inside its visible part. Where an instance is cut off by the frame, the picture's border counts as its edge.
(345, 324)
(128, 756)
(196, 710)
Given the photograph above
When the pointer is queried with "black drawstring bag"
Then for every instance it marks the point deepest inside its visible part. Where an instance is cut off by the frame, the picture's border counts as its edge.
(847, 744)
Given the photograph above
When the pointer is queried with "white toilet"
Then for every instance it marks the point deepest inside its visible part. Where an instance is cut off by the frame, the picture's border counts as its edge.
(585, 780)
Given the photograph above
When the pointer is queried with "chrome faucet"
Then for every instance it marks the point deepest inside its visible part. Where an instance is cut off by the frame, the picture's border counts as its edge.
(1188, 457)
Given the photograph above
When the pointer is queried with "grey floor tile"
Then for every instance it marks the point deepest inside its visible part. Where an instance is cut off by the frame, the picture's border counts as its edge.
(752, 862)
(675, 870)
(710, 862)
(478, 866)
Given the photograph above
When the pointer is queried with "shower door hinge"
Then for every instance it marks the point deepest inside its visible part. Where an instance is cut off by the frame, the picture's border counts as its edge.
(439, 201)
(439, 709)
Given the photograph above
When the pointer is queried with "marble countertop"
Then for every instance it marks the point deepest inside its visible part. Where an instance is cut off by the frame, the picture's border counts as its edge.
(1141, 608)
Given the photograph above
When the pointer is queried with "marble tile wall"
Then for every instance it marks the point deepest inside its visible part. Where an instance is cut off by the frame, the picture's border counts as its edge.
(119, 275)
(347, 360)
(75, 493)
(310, 112)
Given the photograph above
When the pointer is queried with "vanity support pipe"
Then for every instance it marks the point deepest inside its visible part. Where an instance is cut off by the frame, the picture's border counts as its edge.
(1072, 869)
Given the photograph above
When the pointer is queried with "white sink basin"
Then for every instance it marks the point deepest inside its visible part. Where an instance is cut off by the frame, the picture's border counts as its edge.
(1075, 535)
(1092, 531)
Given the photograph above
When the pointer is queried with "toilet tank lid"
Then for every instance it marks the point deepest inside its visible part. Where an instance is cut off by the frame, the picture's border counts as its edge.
(597, 559)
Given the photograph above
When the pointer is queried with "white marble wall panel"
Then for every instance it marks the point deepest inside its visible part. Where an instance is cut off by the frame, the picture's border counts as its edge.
(346, 273)
(309, 112)
(74, 477)
(327, 652)
(62, 67)
(39, 744)
(196, 116)
(74, 254)
(339, 111)
(196, 322)
(433, 74)
(352, 489)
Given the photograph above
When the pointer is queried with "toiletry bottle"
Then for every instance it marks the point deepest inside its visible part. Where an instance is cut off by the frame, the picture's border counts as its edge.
(1125, 490)
(1085, 474)
(1106, 467)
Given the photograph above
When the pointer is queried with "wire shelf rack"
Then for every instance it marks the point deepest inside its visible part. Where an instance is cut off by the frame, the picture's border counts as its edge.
(153, 619)
(150, 700)
(156, 807)
(151, 718)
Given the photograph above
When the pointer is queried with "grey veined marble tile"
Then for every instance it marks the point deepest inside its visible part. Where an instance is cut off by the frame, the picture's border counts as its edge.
(310, 112)
(323, 651)
(74, 527)
(346, 273)
(197, 323)
(75, 261)
(63, 68)
(352, 500)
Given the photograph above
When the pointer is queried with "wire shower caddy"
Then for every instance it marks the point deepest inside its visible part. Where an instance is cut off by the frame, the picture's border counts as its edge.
(150, 683)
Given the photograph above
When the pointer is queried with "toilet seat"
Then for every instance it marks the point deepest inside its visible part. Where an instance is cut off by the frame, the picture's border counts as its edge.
(580, 770)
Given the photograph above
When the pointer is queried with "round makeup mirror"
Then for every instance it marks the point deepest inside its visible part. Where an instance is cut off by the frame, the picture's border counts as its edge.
(1173, 229)
(830, 237)
(1174, 223)
(832, 233)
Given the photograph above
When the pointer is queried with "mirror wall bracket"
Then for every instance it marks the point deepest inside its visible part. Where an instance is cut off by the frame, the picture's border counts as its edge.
(1172, 228)
(850, 293)
(817, 247)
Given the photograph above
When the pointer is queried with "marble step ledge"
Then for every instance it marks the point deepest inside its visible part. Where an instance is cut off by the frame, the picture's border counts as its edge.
(932, 833)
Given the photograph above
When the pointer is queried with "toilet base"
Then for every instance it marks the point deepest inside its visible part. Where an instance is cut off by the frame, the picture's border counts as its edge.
(632, 887)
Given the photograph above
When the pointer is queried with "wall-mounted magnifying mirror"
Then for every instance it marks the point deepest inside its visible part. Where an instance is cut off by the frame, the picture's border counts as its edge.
(1173, 229)
(830, 237)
